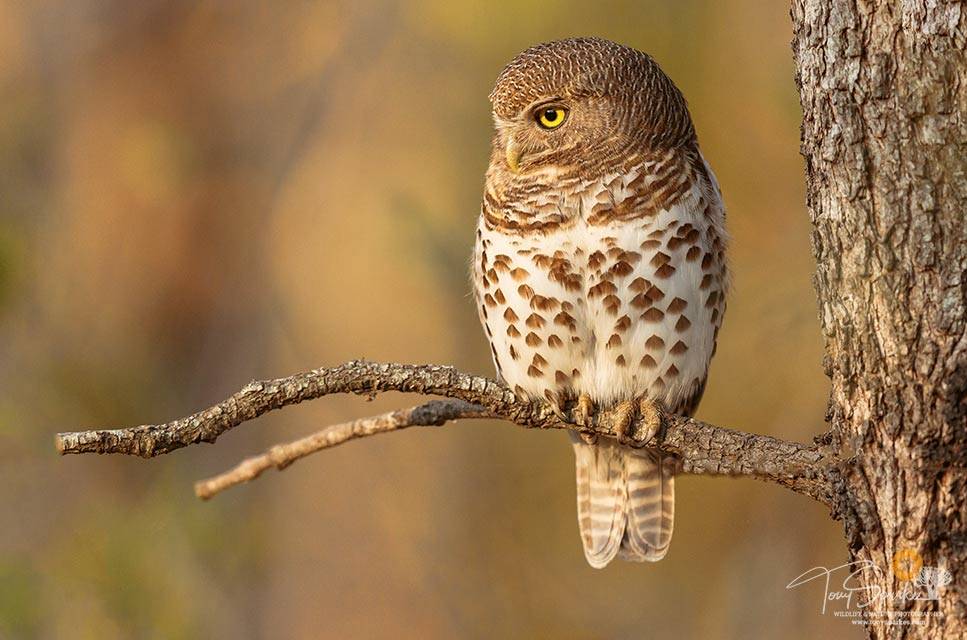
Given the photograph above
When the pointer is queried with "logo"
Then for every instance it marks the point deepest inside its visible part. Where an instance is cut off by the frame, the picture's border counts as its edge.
(847, 596)
(906, 564)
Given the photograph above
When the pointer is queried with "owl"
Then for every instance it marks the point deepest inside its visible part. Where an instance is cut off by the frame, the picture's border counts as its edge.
(599, 268)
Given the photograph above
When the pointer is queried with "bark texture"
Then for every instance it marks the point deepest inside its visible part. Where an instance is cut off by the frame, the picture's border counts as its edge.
(883, 85)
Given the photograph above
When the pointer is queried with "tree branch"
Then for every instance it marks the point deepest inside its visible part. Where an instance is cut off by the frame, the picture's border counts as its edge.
(432, 414)
(702, 448)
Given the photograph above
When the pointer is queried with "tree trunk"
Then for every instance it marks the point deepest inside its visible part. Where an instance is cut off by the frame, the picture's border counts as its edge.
(883, 85)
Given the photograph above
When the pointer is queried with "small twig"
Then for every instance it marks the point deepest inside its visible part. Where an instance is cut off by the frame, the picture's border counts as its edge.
(280, 456)
(702, 448)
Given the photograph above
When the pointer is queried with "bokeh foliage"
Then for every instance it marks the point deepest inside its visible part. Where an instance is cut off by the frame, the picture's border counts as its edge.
(195, 194)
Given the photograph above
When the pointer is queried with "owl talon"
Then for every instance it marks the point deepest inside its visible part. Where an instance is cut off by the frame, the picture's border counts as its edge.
(583, 415)
(559, 412)
(624, 417)
(650, 414)
(624, 422)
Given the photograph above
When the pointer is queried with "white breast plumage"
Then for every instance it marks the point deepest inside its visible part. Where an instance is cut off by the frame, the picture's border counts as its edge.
(612, 308)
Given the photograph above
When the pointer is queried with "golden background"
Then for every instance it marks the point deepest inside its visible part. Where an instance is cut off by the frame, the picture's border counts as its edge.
(197, 194)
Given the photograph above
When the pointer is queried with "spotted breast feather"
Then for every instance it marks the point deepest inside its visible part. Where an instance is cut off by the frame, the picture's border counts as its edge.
(617, 293)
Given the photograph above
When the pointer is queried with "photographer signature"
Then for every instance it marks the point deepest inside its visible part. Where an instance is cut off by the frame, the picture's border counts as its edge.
(923, 585)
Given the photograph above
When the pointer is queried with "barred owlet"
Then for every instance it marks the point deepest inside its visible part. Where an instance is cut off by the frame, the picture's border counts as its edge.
(599, 267)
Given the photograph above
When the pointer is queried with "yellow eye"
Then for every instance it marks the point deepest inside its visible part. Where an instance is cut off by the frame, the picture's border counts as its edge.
(551, 117)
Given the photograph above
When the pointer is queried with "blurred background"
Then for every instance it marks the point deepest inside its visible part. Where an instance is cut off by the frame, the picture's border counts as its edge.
(197, 194)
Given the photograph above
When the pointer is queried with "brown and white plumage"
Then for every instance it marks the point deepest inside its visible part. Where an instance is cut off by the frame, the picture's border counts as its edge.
(599, 267)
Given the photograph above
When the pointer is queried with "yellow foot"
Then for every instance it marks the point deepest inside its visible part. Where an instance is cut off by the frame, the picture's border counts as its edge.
(584, 417)
(627, 431)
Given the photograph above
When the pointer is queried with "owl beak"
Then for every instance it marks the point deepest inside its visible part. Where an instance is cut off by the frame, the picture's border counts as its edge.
(512, 154)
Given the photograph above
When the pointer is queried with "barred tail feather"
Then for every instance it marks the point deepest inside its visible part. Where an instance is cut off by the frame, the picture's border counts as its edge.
(651, 505)
(625, 500)
(602, 500)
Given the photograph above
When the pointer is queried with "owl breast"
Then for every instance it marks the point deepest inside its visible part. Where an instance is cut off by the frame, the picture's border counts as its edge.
(614, 288)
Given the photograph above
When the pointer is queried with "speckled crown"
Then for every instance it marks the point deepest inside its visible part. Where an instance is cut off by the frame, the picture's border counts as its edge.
(594, 67)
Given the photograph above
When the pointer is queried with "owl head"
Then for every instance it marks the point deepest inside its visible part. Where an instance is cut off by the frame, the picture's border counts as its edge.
(585, 105)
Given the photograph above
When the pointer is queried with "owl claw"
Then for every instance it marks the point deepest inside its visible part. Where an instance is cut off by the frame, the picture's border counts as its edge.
(584, 411)
(583, 415)
(624, 422)
(559, 412)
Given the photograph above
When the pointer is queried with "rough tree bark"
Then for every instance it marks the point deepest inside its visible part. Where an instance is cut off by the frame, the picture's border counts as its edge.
(883, 85)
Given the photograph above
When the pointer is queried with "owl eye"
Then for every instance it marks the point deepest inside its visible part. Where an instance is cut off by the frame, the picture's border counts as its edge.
(551, 117)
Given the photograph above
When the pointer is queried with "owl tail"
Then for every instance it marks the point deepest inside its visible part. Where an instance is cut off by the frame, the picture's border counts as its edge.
(626, 502)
